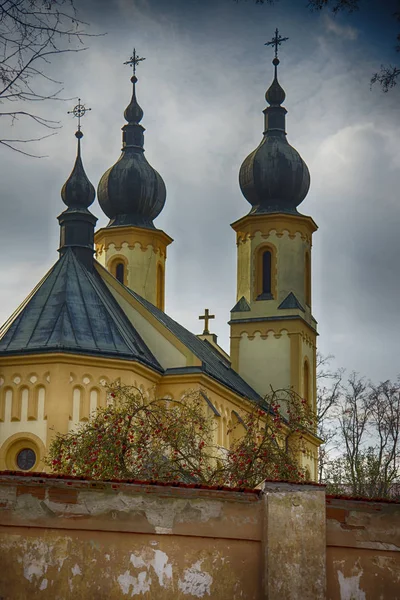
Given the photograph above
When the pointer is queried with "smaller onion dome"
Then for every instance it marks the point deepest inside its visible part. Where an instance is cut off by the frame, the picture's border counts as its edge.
(131, 192)
(77, 191)
(274, 177)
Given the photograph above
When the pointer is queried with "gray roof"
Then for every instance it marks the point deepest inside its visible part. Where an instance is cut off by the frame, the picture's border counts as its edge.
(241, 306)
(72, 310)
(213, 363)
(291, 302)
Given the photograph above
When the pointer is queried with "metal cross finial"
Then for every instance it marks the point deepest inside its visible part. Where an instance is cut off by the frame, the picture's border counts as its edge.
(78, 111)
(206, 317)
(276, 41)
(134, 60)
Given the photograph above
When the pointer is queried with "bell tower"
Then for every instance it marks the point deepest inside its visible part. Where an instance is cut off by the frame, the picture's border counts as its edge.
(273, 332)
(131, 193)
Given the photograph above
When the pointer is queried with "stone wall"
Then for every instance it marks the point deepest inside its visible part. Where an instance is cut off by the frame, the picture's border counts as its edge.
(363, 549)
(66, 538)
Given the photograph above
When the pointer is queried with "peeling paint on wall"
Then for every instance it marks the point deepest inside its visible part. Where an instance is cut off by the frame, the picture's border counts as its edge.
(196, 582)
(350, 587)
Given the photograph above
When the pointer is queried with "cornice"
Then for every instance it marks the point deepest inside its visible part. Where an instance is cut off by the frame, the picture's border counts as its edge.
(248, 226)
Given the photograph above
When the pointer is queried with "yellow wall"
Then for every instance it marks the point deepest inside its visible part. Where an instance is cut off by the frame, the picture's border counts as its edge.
(72, 387)
(268, 348)
(167, 354)
(143, 252)
(43, 395)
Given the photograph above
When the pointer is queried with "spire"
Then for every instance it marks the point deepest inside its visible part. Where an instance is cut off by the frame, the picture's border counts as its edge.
(133, 112)
(274, 177)
(77, 222)
(131, 192)
(77, 191)
(275, 94)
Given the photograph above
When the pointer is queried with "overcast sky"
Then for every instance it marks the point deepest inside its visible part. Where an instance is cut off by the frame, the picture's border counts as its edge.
(202, 89)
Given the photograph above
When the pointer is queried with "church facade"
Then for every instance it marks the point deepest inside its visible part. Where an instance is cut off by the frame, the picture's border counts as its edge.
(94, 320)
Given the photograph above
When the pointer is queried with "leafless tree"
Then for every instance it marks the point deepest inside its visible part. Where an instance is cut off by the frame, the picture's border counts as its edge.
(329, 386)
(32, 32)
(368, 433)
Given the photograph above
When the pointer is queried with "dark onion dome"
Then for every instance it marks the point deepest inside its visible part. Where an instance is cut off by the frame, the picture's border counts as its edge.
(274, 177)
(131, 192)
(76, 222)
(77, 191)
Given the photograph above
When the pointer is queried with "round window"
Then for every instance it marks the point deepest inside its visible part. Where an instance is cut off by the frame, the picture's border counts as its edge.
(26, 459)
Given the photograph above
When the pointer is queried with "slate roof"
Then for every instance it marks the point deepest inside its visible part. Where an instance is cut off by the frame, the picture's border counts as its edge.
(72, 310)
(213, 363)
(241, 306)
(291, 302)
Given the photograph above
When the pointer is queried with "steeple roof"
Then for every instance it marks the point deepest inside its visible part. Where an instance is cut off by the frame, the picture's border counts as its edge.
(131, 192)
(274, 178)
(72, 310)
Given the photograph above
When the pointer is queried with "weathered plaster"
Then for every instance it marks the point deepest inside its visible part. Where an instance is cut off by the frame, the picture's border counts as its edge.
(64, 538)
(363, 550)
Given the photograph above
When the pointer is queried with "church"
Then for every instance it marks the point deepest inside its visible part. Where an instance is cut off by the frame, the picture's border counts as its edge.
(98, 315)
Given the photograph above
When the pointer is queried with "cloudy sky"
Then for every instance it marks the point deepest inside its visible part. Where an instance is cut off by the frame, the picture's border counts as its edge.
(202, 89)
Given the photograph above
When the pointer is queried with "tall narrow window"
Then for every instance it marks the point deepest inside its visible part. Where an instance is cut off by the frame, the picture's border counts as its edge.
(160, 287)
(120, 272)
(307, 279)
(266, 272)
(306, 383)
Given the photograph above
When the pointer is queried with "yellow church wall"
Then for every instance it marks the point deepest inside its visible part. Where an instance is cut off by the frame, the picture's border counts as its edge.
(265, 360)
(143, 252)
(226, 402)
(288, 263)
(72, 387)
(168, 350)
(244, 249)
(66, 390)
(273, 353)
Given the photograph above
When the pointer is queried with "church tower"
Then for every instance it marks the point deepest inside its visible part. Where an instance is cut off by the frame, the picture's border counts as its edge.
(131, 193)
(273, 332)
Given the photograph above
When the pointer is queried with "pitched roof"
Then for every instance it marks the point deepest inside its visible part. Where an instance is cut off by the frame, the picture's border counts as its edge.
(213, 363)
(291, 302)
(72, 310)
(241, 306)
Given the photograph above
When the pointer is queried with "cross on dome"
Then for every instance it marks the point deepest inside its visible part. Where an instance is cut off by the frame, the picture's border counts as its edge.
(79, 111)
(134, 60)
(276, 41)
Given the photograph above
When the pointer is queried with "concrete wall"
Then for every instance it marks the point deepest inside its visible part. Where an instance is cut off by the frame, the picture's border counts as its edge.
(63, 538)
(363, 550)
(66, 538)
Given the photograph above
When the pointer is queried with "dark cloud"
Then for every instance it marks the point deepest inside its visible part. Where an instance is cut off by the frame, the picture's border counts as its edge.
(202, 90)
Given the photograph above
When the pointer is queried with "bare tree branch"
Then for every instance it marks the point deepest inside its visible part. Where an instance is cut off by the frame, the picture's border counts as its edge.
(32, 33)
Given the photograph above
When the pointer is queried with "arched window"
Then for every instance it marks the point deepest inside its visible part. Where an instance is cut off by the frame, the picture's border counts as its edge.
(160, 287)
(307, 279)
(120, 272)
(266, 272)
(306, 382)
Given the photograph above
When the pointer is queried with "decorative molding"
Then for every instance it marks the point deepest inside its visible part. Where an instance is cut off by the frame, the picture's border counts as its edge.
(248, 226)
(131, 236)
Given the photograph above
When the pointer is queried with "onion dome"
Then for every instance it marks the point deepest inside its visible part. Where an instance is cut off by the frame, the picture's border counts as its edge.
(77, 191)
(274, 177)
(131, 192)
(77, 223)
